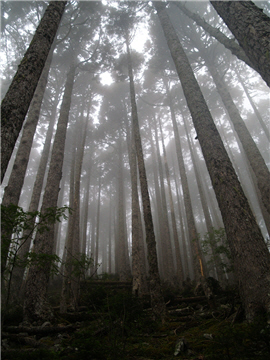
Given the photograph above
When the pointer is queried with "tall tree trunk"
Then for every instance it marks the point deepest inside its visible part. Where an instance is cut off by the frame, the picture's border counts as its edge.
(20, 93)
(179, 269)
(166, 238)
(192, 231)
(16, 179)
(35, 305)
(253, 105)
(251, 28)
(185, 254)
(250, 255)
(254, 156)
(68, 255)
(139, 282)
(207, 217)
(230, 44)
(18, 271)
(121, 248)
(96, 254)
(157, 301)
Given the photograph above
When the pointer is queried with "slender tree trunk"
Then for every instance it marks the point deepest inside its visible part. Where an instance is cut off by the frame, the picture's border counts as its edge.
(157, 300)
(192, 231)
(254, 156)
(35, 305)
(166, 238)
(161, 233)
(123, 261)
(251, 28)
(179, 269)
(254, 107)
(97, 227)
(249, 252)
(230, 44)
(183, 237)
(20, 93)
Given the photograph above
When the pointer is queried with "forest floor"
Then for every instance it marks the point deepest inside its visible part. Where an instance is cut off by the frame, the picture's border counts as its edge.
(111, 324)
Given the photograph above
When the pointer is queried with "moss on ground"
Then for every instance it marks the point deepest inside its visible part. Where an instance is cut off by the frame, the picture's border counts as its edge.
(122, 328)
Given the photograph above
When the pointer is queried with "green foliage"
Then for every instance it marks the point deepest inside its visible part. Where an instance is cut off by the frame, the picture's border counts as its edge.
(216, 244)
(80, 263)
(19, 225)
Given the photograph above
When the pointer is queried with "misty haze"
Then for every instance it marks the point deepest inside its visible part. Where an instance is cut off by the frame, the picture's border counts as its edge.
(135, 196)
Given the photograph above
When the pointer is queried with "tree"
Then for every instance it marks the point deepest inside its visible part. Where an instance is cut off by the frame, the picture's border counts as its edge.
(230, 44)
(157, 300)
(35, 304)
(20, 93)
(251, 28)
(250, 255)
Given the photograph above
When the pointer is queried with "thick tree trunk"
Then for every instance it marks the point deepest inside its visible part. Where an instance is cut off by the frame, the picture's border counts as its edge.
(35, 305)
(249, 252)
(18, 272)
(20, 93)
(16, 179)
(251, 28)
(139, 282)
(157, 301)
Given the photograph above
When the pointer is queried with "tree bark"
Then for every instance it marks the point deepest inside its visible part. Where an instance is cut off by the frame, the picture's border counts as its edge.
(139, 282)
(35, 305)
(192, 231)
(255, 158)
(251, 28)
(249, 252)
(16, 179)
(253, 105)
(20, 93)
(179, 268)
(230, 44)
(157, 301)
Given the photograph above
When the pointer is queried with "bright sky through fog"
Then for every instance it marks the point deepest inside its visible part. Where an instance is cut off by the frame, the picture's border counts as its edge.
(137, 44)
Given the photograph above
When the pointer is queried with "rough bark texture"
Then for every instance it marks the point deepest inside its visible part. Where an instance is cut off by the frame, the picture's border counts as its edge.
(230, 44)
(139, 282)
(35, 306)
(207, 217)
(18, 272)
(16, 179)
(20, 93)
(251, 28)
(157, 301)
(249, 252)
